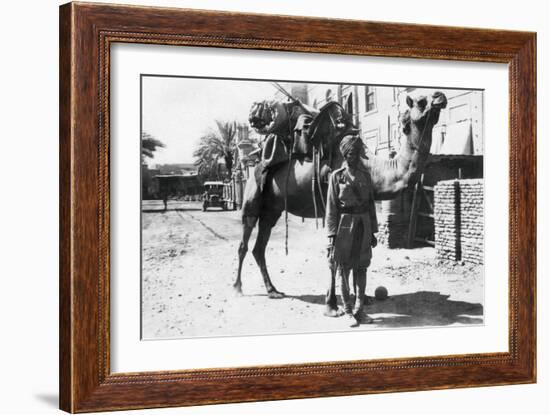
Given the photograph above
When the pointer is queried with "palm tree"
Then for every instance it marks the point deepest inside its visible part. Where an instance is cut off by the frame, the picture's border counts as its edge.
(215, 146)
(149, 145)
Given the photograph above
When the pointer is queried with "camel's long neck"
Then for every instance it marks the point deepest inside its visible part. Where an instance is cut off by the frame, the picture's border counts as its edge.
(390, 176)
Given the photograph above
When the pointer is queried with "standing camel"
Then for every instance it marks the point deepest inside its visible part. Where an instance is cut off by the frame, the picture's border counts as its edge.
(289, 184)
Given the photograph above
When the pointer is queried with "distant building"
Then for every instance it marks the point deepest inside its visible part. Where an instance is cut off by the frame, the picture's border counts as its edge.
(176, 168)
(175, 186)
(148, 187)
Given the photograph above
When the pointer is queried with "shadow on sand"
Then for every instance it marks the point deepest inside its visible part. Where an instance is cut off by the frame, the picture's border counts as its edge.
(422, 308)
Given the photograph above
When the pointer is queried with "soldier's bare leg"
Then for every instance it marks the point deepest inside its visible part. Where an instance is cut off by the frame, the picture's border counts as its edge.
(355, 288)
(343, 273)
(360, 280)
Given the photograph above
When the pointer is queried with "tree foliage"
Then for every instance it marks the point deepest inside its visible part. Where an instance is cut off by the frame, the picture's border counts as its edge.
(149, 145)
(217, 145)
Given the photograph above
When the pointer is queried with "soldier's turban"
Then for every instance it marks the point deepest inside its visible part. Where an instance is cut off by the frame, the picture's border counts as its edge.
(350, 142)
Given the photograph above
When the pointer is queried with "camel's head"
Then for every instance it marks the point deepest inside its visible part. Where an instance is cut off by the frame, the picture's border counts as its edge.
(268, 117)
(420, 110)
(422, 115)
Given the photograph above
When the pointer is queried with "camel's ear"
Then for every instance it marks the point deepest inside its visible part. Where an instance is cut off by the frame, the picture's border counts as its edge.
(409, 101)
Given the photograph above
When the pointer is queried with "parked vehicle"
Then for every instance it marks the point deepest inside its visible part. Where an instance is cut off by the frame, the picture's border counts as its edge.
(213, 196)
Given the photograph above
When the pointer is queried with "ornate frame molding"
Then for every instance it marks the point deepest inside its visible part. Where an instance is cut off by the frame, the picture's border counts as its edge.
(86, 34)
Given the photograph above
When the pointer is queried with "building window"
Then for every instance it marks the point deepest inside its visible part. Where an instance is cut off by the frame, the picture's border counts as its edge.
(370, 102)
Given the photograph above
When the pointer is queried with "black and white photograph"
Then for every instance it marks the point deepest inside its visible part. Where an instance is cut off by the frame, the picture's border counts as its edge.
(283, 207)
(275, 207)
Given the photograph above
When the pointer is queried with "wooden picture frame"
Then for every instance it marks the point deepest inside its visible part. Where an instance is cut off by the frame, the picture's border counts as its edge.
(86, 33)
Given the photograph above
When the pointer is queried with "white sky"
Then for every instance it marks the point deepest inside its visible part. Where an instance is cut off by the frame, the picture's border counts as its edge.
(177, 111)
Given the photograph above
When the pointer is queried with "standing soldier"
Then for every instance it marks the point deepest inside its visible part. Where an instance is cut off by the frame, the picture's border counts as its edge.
(351, 224)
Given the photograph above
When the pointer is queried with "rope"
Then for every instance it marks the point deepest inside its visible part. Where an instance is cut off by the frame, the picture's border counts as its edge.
(286, 195)
(313, 180)
(291, 133)
(318, 172)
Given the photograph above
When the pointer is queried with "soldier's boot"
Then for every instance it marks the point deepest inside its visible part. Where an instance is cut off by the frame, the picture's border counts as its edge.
(351, 320)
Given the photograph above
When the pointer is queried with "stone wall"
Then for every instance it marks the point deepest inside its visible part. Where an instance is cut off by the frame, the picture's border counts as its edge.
(458, 214)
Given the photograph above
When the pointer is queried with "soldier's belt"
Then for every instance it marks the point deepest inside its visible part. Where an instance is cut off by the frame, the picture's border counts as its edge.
(355, 210)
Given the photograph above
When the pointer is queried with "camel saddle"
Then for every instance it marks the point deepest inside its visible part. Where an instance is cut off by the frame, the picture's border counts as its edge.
(306, 138)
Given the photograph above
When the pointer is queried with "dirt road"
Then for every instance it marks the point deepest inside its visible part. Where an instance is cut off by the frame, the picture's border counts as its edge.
(190, 262)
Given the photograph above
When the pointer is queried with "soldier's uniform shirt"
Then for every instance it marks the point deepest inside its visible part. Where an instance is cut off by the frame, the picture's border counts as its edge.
(351, 216)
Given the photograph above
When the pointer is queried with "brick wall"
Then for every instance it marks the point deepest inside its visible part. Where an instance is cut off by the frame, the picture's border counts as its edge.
(458, 214)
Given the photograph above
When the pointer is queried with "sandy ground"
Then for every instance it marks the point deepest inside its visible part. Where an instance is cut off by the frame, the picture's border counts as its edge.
(190, 262)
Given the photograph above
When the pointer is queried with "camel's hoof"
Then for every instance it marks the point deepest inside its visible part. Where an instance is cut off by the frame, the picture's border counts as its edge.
(237, 290)
(275, 294)
(333, 312)
(351, 321)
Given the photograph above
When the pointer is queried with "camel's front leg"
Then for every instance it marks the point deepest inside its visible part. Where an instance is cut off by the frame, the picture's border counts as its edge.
(248, 226)
(264, 232)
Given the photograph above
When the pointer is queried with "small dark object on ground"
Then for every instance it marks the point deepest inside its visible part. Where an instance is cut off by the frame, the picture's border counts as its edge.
(381, 293)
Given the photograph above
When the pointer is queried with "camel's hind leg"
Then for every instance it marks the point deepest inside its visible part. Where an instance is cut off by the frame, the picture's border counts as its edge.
(248, 225)
(266, 223)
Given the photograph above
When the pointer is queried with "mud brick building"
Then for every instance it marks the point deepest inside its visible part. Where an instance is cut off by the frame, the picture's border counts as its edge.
(459, 220)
